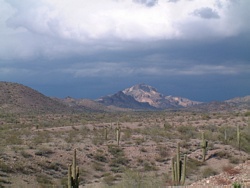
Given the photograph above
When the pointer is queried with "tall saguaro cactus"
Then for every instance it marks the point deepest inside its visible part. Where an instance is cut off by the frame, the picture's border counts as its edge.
(118, 134)
(73, 173)
(106, 133)
(238, 136)
(204, 144)
(179, 168)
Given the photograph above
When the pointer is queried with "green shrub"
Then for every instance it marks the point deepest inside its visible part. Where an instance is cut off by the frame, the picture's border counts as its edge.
(116, 151)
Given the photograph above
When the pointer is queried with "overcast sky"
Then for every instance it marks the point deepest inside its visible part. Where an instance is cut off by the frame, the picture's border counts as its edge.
(198, 49)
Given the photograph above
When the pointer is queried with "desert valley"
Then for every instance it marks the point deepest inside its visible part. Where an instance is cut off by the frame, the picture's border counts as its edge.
(133, 138)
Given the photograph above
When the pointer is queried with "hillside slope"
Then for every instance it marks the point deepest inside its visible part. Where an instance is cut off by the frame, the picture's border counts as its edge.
(17, 98)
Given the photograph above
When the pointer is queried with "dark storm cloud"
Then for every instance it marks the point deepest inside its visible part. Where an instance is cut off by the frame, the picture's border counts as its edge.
(106, 45)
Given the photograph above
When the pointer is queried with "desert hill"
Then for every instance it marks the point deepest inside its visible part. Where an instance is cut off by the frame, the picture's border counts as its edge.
(17, 98)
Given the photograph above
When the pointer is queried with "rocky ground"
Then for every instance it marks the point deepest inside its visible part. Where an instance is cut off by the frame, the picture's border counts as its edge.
(239, 174)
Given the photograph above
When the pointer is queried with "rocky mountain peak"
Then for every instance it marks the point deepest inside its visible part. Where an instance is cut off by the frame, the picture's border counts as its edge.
(145, 93)
(140, 88)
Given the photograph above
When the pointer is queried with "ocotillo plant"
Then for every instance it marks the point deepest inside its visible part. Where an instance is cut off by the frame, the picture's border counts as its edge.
(179, 168)
(204, 144)
(73, 173)
(238, 136)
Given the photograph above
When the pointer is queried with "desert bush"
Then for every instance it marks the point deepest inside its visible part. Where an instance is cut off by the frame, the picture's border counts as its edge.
(26, 154)
(135, 178)
(207, 171)
(127, 133)
(149, 166)
(193, 166)
(237, 185)
(143, 149)
(167, 126)
(44, 180)
(41, 137)
(117, 161)
(139, 141)
(163, 151)
(100, 157)
(13, 138)
(187, 132)
(98, 137)
(5, 167)
(116, 151)
(109, 180)
(44, 152)
(247, 113)
(156, 133)
(98, 167)
(222, 155)
(3, 181)
(234, 160)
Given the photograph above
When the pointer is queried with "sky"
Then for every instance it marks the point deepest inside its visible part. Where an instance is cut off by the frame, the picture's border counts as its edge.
(197, 49)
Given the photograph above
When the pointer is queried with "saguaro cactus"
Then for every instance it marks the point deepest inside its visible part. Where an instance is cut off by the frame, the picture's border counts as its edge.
(73, 173)
(238, 136)
(225, 135)
(204, 144)
(106, 133)
(178, 168)
(118, 134)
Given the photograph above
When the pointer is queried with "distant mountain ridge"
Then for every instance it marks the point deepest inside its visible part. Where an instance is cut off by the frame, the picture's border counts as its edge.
(245, 99)
(145, 96)
(146, 93)
(17, 98)
(122, 100)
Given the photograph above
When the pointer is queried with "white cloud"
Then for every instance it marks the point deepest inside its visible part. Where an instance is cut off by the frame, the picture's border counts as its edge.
(55, 28)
